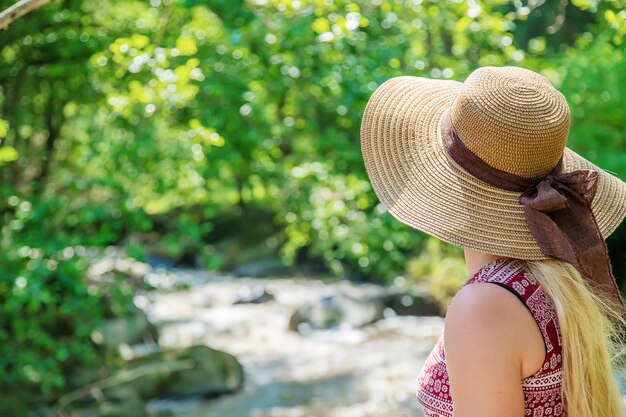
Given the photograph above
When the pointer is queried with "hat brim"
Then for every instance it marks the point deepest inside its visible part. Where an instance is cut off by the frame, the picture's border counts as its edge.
(422, 187)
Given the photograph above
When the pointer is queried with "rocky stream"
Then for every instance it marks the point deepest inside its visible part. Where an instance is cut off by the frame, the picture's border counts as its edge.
(304, 346)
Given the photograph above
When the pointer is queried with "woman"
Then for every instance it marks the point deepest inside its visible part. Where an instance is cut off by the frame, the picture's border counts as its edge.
(483, 165)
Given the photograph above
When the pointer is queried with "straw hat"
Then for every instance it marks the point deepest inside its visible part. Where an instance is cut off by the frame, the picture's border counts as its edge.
(511, 118)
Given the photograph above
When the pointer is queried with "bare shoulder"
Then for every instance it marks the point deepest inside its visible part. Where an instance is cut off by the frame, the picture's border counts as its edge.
(486, 319)
(482, 301)
(485, 331)
(491, 311)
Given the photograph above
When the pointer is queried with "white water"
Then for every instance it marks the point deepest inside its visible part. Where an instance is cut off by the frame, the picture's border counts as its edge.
(346, 372)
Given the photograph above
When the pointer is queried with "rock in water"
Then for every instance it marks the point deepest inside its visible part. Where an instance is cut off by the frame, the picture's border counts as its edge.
(263, 268)
(127, 405)
(405, 303)
(196, 370)
(132, 328)
(337, 309)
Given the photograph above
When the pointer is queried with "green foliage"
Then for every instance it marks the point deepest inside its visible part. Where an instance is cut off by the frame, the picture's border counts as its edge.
(595, 85)
(439, 270)
(134, 122)
(7, 153)
(40, 336)
(49, 308)
(338, 220)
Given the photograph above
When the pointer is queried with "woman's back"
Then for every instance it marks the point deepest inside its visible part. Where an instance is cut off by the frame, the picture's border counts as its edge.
(542, 390)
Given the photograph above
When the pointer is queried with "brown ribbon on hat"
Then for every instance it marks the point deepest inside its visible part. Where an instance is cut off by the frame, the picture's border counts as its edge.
(557, 209)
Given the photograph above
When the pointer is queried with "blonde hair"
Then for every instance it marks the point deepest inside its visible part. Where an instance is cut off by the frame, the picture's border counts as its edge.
(592, 337)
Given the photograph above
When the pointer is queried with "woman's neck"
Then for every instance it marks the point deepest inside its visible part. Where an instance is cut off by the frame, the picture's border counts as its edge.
(475, 260)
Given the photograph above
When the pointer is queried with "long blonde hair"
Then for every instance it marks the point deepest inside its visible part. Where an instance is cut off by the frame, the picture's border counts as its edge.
(592, 333)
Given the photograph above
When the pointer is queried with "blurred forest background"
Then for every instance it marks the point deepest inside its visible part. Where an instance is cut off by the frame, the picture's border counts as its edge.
(214, 133)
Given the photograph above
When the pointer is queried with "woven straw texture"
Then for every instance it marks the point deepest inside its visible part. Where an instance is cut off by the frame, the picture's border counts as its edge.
(507, 116)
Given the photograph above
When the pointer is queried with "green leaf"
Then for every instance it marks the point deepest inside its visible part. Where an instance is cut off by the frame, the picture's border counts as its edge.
(320, 25)
(8, 154)
(186, 45)
(4, 129)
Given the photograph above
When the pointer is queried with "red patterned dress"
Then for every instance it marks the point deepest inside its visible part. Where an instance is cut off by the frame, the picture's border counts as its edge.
(542, 390)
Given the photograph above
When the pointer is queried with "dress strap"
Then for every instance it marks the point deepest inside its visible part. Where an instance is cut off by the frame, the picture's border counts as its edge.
(512, 275)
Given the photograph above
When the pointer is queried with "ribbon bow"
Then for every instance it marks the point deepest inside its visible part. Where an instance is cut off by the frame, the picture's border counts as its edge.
(557, 209)
(558, 212)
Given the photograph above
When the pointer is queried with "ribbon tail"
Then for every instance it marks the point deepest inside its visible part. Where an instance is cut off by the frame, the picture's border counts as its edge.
(552, 241)
(572, 235)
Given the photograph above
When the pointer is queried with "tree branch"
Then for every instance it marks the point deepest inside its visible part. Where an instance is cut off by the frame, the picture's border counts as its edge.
(560, 18)
(17, 10)
(39, 182)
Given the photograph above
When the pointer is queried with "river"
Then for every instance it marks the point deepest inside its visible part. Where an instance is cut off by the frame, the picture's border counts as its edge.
(342, 371)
